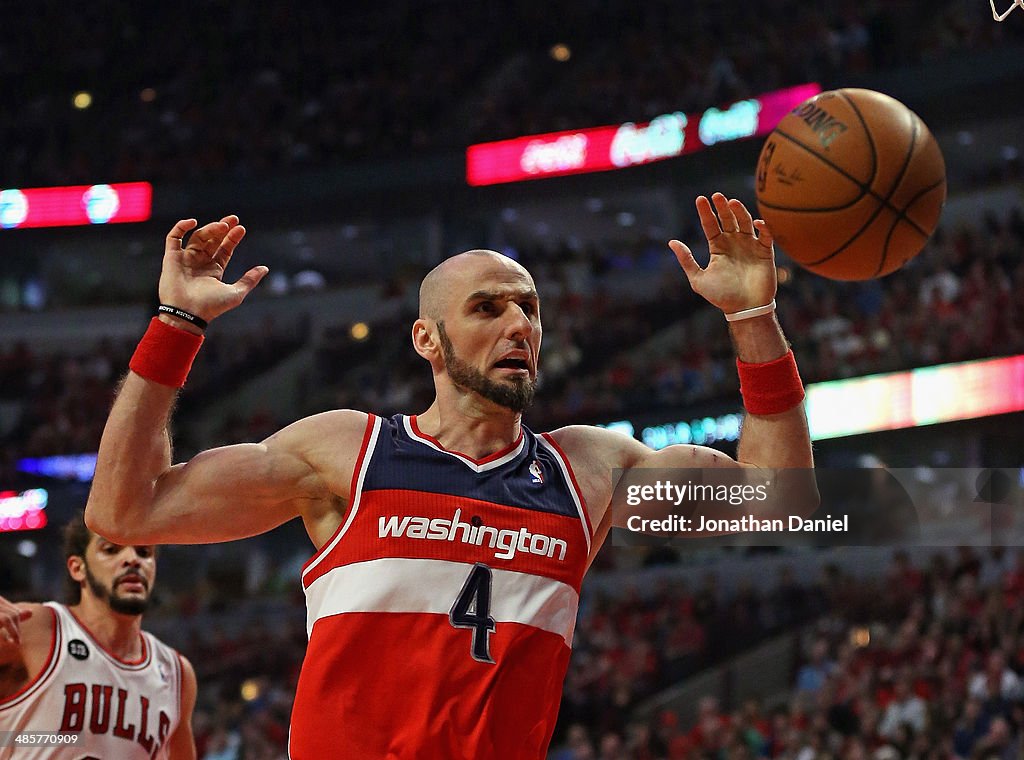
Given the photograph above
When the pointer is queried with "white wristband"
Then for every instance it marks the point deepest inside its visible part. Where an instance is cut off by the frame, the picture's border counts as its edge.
(757, 311)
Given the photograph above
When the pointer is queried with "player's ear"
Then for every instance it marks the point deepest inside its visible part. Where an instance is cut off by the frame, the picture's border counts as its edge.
(76, 567)
(424, 339)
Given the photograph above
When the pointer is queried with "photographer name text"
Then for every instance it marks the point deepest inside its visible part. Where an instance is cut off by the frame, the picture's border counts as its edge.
(746, 523)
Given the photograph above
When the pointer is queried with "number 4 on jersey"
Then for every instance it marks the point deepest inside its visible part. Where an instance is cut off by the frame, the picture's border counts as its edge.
(472, 610)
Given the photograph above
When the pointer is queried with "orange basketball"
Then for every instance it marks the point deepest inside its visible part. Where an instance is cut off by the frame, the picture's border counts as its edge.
(851, 183)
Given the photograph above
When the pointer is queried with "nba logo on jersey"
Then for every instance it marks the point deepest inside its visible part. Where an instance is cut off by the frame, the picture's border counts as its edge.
(537, 476)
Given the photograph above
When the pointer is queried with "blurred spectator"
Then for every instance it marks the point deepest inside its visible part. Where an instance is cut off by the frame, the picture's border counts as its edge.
(996, 680)
(905, 709)
(813, 675)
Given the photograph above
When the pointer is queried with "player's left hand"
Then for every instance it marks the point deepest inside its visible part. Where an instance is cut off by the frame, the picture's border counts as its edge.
(192, 273)
(741, 272)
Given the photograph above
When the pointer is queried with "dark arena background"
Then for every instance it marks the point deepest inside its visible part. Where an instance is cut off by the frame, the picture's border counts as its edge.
(341, 134)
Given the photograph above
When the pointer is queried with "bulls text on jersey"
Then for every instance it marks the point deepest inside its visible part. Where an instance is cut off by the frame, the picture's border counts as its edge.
(100, 709)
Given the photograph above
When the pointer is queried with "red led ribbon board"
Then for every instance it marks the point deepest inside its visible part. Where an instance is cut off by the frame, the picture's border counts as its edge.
(79, 205)
(598, 149)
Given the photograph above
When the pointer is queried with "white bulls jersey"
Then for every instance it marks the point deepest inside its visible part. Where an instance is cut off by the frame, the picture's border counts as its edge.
(119, 710)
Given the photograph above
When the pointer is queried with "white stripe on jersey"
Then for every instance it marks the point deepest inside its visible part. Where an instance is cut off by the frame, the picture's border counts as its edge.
(396, 584)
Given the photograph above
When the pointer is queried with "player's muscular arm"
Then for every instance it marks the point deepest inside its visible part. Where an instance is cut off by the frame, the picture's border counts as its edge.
(597, 454)
(779, 447)
(225, 493)
(775, 440)
(740, 277)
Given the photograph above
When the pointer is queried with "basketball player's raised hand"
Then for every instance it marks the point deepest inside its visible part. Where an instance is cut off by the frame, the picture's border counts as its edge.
(192, 276)
(741, 272)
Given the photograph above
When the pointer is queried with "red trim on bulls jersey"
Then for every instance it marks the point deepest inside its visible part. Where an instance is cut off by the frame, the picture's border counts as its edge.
(43, 673)
(489, 458)
(572, 477)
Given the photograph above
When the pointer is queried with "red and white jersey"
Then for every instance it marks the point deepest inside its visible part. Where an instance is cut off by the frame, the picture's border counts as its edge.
(119, 710)
(441, 613)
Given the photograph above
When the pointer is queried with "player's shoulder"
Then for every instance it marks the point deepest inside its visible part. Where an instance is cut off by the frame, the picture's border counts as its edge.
(188, 672)
(37, 629)
(22, 662)
(168, 652)
(336, 426)
(188, 684)
(603, 446)
(43, 616)
(339, 420)
(573, 435)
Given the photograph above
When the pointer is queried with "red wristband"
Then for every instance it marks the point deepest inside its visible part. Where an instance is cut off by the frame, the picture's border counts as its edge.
(165, 354)
(771, 387)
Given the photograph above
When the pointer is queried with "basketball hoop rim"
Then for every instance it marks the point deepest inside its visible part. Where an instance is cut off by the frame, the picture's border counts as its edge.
(999, 17)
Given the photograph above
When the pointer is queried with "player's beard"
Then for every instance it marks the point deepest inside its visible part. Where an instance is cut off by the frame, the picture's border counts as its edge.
(515, 394)
(123, 605)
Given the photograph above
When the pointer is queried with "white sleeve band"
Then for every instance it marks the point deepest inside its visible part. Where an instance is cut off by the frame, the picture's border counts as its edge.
(757, 311)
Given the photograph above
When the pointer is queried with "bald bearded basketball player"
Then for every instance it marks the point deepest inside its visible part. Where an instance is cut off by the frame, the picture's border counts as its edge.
(450, 545)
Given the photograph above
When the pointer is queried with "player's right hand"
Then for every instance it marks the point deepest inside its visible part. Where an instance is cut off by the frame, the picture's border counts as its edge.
(741, 273)
(192, 275)
(11, 616)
